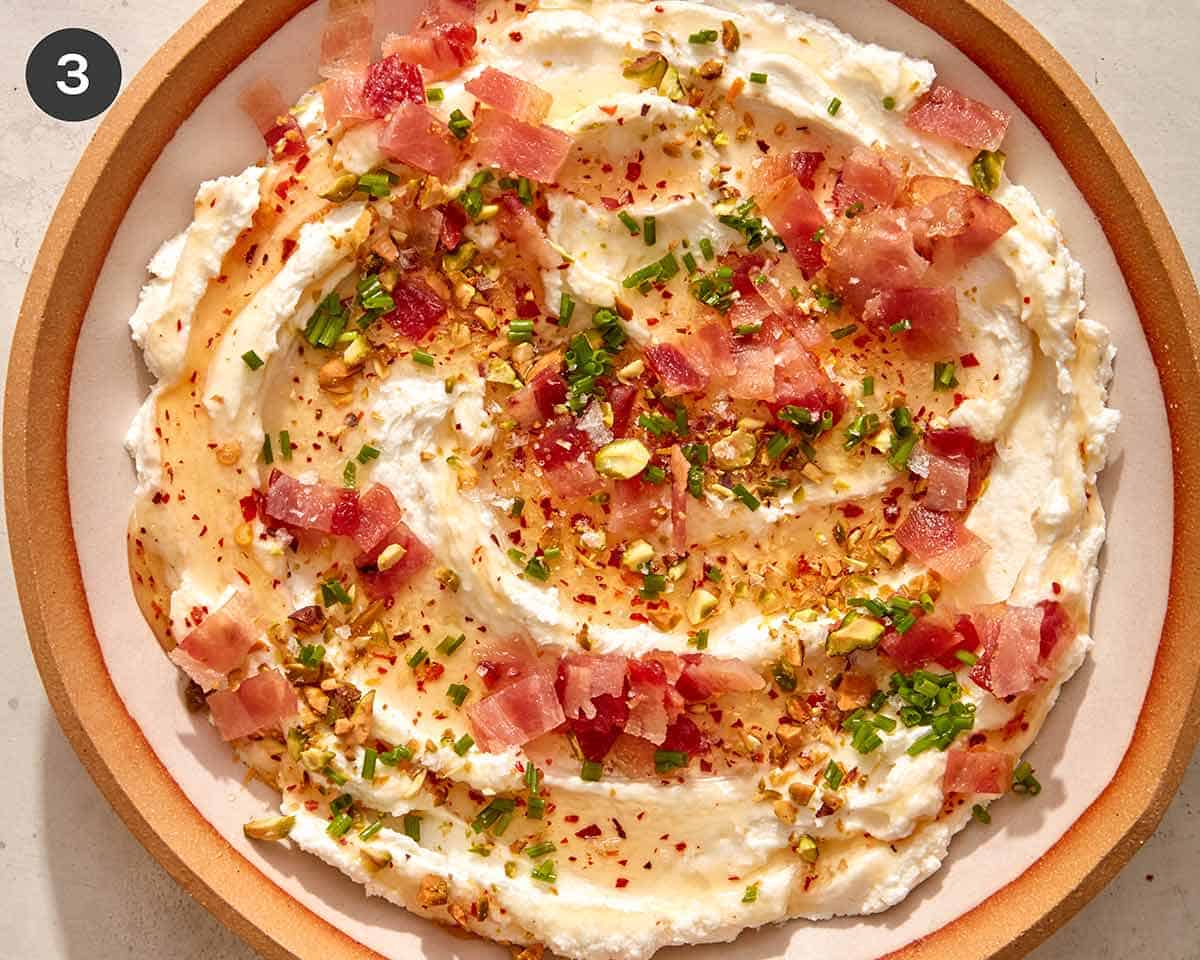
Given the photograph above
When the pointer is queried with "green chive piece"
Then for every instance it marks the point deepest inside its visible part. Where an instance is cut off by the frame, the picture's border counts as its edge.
(435, 94)
(668, 760)
(285, 445)
(746, 497)
(367, 454)
(751, 893)
(700, 640)
(868, 387)
(371, 830)
(418, 658)
(842, 332)
(1024, 781)
(980, 813)
(703, 36)
(650, 230)
(525, 191)
(706, 248)
(566, 309)
(967, 657)
(412, 827)
(370, 757)
(689, 263)
(377, 184)
(834, 775)
(252, 359)
(834, 106)
(450, 644)
(340, 825)
(460, 124)
(538, 850)
(311, 655)
(545, 872)
(758, 78)
(423, 358)
(350, 475)
(333, 592)
(267, 456)
(463, 744)
(630, 224)
(591, 771)
(943, 375)
(457, 693)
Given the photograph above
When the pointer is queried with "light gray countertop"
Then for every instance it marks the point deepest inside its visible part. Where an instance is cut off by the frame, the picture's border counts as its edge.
(78, 885)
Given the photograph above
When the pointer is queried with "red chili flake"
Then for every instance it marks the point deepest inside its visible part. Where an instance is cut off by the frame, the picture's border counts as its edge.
(633, 171)
(620, 829)
(969, 360)
(289, 247)
(590, 832)
(609, 110)
(571, 818)
(958, 399)
(585, 598)
(621, 883)
(249, 505)
(250, 253)
(681, 846)
(851, 510)
(302, 163)
(515, 36)
(1056, 587)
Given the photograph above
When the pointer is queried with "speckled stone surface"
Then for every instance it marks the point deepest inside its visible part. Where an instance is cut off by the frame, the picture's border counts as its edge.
(75, 883)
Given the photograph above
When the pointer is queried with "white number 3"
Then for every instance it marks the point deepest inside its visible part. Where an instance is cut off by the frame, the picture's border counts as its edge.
(76, 81)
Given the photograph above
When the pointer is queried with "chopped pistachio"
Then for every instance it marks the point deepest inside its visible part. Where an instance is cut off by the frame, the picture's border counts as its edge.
(269, 828)
(862, 633)
(735, 451)
(460, 258)
(648, 69)
(637, 553)
(671, 86)
(501, 371)
(700, 606)
(751, 424)
(340, 189)
(315, 760)
(449, 579)
(376, 858)
(987, 169)
(391, 555)
(622, 459)
(806, 848)
(356, 353)
(889, 550)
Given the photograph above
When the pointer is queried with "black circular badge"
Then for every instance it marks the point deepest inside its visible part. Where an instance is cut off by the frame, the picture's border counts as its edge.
(73, 74)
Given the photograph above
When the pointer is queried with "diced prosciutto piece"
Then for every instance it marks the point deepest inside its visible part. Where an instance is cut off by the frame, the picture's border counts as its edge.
(705, 677)
(953, 223)
(876, 253)
(516, 714)
(800, 381)
(931, 314)
(869, 179)
(648, 717)
(941, 542)
(391, 82)
(801, 164)
(796, 217)
(537, 152)
(504, 658)
(262, 702)
(635, 508)
(346, 38)
(418, 309)
(264, 104)
(215, 646)
(311, 506)
(683, 736)
(545, 390)
(948, 482)
(679, 498)
(380, 584)
(378, 514)
(929, 640)
(945, 112)
(584, 677)
(1011, 638)
(443, 41)
(677, 373)
(754, 377)
(749, 311)
(959, 445)
(564, 454)
(597, 735)
(711, 349)
(519, 226)
(342, 99)
(416, 137)
(985, 773)
(622, 397)
(519, 99)
(454, 220)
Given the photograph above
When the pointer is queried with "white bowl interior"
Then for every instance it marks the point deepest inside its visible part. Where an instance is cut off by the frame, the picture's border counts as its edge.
(1076, 755)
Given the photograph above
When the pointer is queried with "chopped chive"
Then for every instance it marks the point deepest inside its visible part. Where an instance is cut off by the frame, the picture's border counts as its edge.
(713, 574)
(630, 224)
(340, 825)
(350, 475)
(525, 191)
(285, 445)
(333, 775)
(435, 94)
(747, 498)
(539, 850)
(371, 830)
(423, 358)
(689, 263)
(367, 453)
(252, 359)
(450, 644)
(980, 813)
(333, 592)
(653, 584)
(267, 456)
(412, 827)
(700, 640)
(706, 248)
(311, 655)
(535, 808)
(460, 124)
(834, 106)
(967, 657)
(517, 508)
(655, 474)
(463, 744)
(395, 755)
(532, 778)
(377, 184)
(868, 387)
(834, 775)
(900, 326)
(842, 332)
(703, 36)
(457, 693)
(650, 230)
(566, 308)
(943, 375)
(418, 658)
(591, 771)
(545, 872)
(370, 757)
(1024, 781)
(667, 760)
(520, 331)
(758, 78)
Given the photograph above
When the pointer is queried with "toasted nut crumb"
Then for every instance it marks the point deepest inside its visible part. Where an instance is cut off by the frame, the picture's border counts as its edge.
(434, 891)
(785, 811)
(244, 535)
(229, 453)
(800, 793)
(731, 37)
(711, 69)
